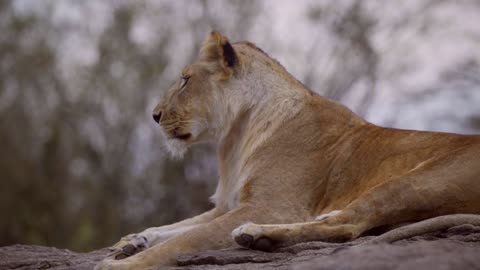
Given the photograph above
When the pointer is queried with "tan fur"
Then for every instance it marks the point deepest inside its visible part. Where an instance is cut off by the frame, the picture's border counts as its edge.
(286, 156)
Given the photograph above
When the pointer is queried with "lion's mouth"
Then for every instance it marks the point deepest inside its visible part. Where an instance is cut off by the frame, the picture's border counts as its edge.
(183, 137)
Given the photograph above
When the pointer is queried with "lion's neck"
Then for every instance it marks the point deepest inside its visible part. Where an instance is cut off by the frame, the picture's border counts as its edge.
(250, 123)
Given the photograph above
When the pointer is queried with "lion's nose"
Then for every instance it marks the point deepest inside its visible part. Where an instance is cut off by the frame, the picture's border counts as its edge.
(157, 116)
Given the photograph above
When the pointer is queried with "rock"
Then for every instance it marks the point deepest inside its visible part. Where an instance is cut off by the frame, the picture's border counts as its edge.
(23, 257)
(455, 248)
(230, 256)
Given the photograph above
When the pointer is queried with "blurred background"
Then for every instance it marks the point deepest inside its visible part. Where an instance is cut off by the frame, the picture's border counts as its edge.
(82, 162)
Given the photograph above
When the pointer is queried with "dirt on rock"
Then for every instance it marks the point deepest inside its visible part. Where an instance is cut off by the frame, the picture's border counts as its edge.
(455, 248)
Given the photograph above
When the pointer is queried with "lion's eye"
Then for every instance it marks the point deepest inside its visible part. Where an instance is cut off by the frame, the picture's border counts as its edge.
(184, 81)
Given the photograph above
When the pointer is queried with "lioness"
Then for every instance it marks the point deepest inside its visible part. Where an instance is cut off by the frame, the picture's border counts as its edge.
(289, 157)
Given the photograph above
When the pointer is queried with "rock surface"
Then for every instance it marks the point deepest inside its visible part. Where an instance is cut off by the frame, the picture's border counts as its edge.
(455, 248)
(38, 257)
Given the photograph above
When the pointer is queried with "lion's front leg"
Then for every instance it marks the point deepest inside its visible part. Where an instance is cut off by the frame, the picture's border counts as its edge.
(208, 236)
(134, 243)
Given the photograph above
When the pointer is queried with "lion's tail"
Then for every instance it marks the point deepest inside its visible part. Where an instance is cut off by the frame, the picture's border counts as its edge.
(426, 226)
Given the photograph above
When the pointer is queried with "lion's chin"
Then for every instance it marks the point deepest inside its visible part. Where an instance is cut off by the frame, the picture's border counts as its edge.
(177, 148)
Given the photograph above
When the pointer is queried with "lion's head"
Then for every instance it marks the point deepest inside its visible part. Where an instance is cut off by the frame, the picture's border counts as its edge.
(225, 85)
(190, 106)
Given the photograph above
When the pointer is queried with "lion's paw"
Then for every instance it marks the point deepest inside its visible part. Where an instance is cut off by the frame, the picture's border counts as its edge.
(129, 245)
(251, 235)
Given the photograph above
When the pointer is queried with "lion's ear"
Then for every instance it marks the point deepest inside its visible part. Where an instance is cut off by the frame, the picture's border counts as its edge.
(217, 49)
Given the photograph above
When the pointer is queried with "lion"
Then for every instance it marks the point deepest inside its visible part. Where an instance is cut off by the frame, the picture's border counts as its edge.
(295, 166)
